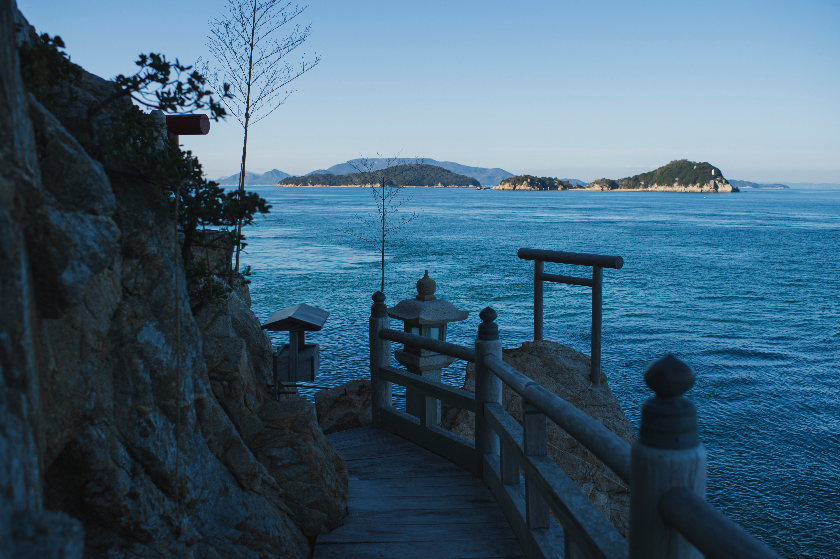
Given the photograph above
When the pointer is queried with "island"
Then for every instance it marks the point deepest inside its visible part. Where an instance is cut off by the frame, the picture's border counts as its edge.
(530, 182)
(677, 176)
(418, 176)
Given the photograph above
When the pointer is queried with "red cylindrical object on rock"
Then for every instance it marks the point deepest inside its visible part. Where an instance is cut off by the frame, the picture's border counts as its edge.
(187, 125)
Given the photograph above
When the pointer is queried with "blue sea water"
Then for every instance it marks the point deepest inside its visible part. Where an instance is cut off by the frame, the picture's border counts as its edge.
(744, 287)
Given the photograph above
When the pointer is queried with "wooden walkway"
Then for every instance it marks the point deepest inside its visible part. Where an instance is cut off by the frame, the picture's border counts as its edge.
(408, 503)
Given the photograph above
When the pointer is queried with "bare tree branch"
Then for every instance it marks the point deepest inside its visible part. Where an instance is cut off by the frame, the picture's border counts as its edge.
(385, 178)
(252, 60)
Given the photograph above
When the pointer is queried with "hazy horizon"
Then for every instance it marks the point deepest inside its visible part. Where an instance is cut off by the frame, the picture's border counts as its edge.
(551, 88)
(791, 184)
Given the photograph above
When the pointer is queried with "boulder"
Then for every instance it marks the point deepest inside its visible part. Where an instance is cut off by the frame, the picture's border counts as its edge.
(602, 184)
(564, 372)
(345, 406)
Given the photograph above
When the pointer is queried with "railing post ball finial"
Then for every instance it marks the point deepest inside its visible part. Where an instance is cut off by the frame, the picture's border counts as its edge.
(488, 330)
(667, 454)
(669, 420)
(669, 377)
(379, 309)
(426, 287)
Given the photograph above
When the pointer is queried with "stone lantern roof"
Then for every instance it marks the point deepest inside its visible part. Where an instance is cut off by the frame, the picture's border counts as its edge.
(426, 308)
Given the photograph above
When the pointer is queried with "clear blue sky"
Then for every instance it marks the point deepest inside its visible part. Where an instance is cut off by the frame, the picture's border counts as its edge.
(570, 89)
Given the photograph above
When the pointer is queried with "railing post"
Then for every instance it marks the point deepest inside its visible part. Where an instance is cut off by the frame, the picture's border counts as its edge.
(488, 387)
(509, 469)
(595, 348)
(380, 356)
(536, 444)
(667, 454)
(538, 300)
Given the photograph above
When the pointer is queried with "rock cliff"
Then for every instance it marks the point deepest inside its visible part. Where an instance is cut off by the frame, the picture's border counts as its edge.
(128, 426)
(677, 176)
(721, 185)
(528, 182)
(346, 406)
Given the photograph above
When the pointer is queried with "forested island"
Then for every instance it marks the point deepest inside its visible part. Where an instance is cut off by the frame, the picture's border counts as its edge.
(530, 182)
(677, 176)
(420, 176)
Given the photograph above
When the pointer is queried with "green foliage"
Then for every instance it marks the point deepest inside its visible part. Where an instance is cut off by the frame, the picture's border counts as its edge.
(606, 184)
(46, 70)
(539, 183)
(681, 172)
(168, 86)
(415, 175)
(133, 143)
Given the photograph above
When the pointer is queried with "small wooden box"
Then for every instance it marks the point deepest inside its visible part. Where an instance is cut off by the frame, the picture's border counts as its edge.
(308, 362)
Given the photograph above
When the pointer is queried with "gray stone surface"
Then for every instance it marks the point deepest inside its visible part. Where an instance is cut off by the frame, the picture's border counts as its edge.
(27, 531)
(425, 308)
(345, 406)
(564, 372)
(283, 444)
(142, 437)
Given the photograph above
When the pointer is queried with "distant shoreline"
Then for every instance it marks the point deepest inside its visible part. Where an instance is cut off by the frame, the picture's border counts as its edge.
(358, 186)
(568, 190)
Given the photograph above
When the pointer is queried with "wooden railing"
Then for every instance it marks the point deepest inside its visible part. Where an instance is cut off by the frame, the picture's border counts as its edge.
(665, 467)
(598, 262)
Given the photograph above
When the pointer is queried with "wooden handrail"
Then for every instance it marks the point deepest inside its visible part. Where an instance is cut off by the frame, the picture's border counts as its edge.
(602, 442)
(455, 396)
(438, 346)
(580, 519)
(708, 529)
(454, 448)
(667, 463)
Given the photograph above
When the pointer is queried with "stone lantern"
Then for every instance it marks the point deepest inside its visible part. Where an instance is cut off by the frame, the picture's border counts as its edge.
(425, 315)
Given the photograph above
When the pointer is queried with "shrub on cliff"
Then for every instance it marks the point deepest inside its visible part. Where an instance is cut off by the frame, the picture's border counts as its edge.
(125, 140)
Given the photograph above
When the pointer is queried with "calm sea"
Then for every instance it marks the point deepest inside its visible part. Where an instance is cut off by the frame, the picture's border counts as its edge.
(744, 287)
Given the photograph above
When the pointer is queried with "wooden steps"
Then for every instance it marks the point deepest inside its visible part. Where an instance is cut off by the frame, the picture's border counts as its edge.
(408, 503)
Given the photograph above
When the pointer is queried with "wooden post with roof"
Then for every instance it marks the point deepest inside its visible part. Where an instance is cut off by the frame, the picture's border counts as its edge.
(295, 361)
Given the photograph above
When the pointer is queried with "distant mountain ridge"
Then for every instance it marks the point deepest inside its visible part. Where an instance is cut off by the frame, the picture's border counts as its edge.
(575, 182)
(269, 178)
(419, 176)
(485, 176)
(748, 184)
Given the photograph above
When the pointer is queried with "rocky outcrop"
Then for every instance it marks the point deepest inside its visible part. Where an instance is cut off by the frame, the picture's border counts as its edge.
(343, 407)
(602, 184)
(129, 427)
(721, 185)
(564, 372)
(280, 441)
(677, 176)
(528, 182)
